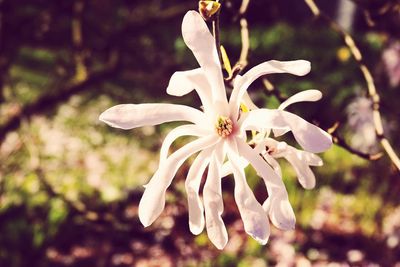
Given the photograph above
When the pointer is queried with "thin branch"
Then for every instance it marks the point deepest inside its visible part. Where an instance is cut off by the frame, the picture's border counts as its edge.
(272, 90)
(372, 91)
(51, 100)
(342, 143)
(77, 41)
(244, 33)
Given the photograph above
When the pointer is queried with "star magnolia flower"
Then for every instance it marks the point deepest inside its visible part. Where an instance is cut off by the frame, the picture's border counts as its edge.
(221, 134)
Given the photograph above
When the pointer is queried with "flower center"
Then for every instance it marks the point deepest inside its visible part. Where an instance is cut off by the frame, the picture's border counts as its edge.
(224, 126)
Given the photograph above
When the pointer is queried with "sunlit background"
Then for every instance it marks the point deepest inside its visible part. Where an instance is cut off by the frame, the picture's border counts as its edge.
(70, 185)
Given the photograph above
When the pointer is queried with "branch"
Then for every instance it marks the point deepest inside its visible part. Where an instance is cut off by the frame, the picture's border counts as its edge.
(244, 33)
(272, 90)
(51, 100)
(373, 94)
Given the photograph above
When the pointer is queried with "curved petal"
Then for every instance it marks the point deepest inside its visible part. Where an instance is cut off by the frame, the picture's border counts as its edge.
(213, 204)
(304, 174)
(280, 211)
(309, 136)
(262, 120)
(177, 132)
(255, 219)
(129, 116)
(311, 95)
(274, 164)
(260, 148)
(192, 185)
(248, 102)
(199, 39)
(296, 67)
(183, 82)
(310, 158)
(227, 167)
(153, 200)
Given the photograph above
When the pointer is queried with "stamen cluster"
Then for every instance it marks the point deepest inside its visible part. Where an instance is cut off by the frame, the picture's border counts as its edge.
(224, 126)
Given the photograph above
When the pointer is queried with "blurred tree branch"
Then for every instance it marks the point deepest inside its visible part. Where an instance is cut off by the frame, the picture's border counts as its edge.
(51, 100)
(272, 90)
(372, 91)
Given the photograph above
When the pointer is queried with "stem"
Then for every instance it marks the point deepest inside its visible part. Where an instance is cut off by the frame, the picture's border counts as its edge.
(372, 91)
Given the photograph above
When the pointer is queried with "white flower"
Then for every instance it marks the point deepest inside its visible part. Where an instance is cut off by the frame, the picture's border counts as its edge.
(221, 132)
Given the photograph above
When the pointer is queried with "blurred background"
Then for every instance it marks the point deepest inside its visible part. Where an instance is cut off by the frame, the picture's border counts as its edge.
(70, 185)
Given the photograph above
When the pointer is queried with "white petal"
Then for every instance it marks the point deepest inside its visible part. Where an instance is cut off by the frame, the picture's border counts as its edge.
(281, 212)
(304, 174)
(304, 96)
(227, 167)
(153, 200)
(248, 102)
(213, 203)
(192, 185)
(274, 164)
(177, 132)
(129, 116)
(296, 67)
(199, 39)
(309, 136)
(311, 158)
(255, 219)
(271, 179)
(183, 82)
(263, 119)
(280, 208)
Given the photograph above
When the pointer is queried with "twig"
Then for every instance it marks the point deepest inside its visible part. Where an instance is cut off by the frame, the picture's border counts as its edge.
(244, 33)
(373, 94)
(272, 90)
(77, 41)
(342, 143)
(51, 100)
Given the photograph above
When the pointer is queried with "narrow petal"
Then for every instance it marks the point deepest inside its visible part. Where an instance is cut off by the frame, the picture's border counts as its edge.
(262, 119)
(213, 203)
(189, 129)
(310, 158)
(153, 200)
(129, 116)
(309, 136)
(274, 164)
(304, 96)
(199, 39)
(248, 102)
(296, 67)
(183, 82)
(255, 219)
(272, 181)
(304, 174)
(280, 211)
(192, 185)
(227, 167)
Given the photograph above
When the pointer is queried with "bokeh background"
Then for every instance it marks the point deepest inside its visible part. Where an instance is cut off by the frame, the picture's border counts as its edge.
(70, 185)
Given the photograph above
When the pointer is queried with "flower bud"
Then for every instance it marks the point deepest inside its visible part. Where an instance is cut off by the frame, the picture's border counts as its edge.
(208, 8)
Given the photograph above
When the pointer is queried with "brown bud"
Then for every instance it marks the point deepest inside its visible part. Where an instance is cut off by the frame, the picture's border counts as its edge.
(208, 8)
